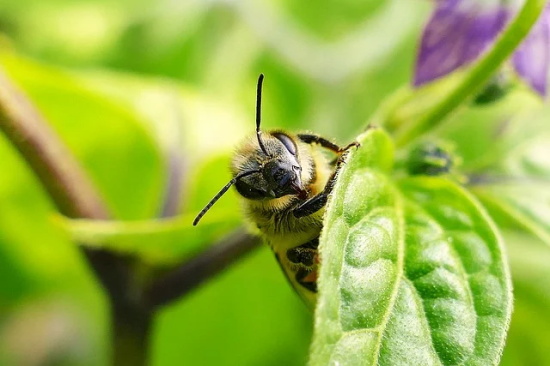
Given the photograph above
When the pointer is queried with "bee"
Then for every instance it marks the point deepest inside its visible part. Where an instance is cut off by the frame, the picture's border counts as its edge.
(285, 180)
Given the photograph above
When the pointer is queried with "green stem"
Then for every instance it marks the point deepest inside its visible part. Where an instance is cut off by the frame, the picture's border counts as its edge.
(477, 75)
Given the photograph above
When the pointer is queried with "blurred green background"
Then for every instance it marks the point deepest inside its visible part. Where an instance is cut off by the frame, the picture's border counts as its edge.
(133, 85)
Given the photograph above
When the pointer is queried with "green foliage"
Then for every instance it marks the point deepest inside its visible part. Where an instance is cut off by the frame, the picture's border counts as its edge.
(418, 277)
(357, 285)
(107, 138)
(103, 118)
(413, 269)
(168, 240)
(248, 315)
(514, 183)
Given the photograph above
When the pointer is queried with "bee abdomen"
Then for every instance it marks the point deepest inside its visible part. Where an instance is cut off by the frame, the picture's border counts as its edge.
(305, 258)
(307, 279)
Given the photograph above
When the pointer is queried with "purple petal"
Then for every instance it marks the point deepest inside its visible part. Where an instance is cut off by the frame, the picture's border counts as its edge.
(532, 59)
(456, 34)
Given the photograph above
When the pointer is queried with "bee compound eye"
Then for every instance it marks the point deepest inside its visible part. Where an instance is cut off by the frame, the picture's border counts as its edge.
(287, 142)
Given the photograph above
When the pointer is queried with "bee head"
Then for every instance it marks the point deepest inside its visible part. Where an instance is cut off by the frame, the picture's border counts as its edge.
(279, 172)
(267, 170)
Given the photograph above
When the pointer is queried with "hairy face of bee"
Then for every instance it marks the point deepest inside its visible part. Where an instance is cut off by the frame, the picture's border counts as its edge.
(279, 172)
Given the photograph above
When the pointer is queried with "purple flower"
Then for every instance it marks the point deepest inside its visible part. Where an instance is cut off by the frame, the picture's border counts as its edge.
(459, 31)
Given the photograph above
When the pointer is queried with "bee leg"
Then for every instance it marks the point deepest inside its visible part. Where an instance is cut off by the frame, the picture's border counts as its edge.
(306, 257)
(316, 139)
(317, 202)
(312, 205)
(305, 254)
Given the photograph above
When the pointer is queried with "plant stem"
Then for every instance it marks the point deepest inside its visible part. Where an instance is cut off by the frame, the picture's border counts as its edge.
(57, 170)
(131, 330)
(191, 274)
(476, 77)
(74, 196)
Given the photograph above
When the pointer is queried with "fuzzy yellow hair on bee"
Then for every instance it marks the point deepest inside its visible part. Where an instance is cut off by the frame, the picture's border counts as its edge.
(285, 180)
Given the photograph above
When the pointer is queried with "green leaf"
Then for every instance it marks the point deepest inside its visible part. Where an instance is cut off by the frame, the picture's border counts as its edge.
(515, 185)
(161, 241)
(504, 149)
(454, 259)
(168, 240)
(411, 275)
(523, 205)
(250, 304)
(361, 249)
(477, 131)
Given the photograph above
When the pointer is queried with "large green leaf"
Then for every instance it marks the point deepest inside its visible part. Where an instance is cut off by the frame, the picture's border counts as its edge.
(358, 285)
(411, 275)
(39, 261)
(454, 259)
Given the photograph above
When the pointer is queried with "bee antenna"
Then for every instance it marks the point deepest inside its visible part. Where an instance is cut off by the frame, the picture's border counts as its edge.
(221, 193)
(259, 113)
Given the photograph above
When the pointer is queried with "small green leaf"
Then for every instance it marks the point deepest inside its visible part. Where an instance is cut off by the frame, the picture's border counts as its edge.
(411, 275)
(159, 241)
(167, 240)
(515, 187)
(526, 205)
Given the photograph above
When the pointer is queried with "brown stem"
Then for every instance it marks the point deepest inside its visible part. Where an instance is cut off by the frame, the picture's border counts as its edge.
(191, 274)
(49, 159)
(75, 196)
(132, 329)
